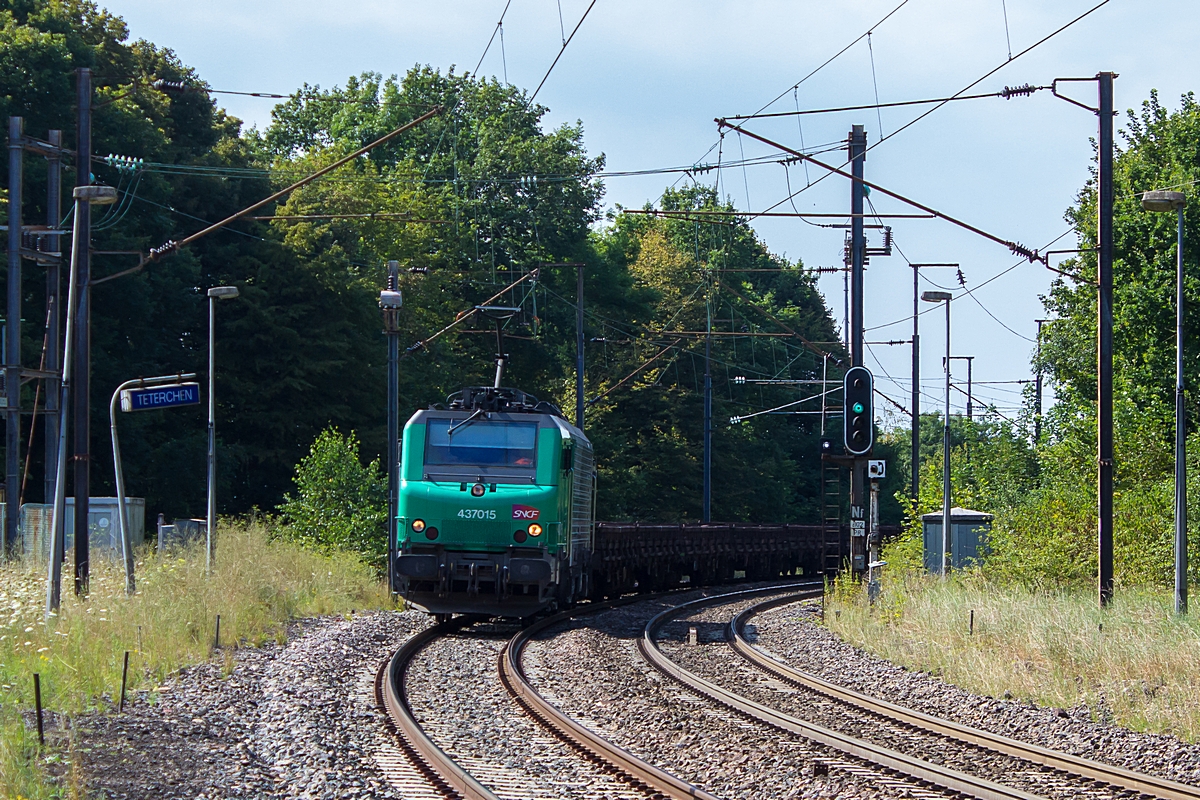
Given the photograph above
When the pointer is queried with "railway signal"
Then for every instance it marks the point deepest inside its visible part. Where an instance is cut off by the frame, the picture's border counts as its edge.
(858, 416)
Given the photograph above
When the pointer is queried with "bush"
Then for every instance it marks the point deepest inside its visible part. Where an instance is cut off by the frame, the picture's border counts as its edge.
(339, 503)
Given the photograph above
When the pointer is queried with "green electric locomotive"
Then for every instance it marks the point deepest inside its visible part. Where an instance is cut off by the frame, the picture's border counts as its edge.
(495, 513)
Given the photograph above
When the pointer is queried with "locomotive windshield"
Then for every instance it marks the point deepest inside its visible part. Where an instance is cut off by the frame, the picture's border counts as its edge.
(483, 443)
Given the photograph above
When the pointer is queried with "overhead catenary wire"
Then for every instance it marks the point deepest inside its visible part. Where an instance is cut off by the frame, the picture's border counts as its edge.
(487, 47)
(1008, 92)
(994, 70)
(560, 52)
(875, 83)
(1007, 37)
(931, 309)
(171, 246)
(1015, 247)
(795, 86)
(962, 91)
(835, 56)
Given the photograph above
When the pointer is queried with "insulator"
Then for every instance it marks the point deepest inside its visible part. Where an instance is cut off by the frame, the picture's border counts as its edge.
(165, 249)
(1021, 250)
(168, 86)
(887, 239)
(1010, 92)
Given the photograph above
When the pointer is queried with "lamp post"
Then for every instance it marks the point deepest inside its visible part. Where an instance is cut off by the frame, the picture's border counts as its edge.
(946, 297)
(916, 384)
(1176, 201)
(215, 293)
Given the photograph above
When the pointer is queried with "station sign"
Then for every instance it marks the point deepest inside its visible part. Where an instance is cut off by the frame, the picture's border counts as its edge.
(150, 398)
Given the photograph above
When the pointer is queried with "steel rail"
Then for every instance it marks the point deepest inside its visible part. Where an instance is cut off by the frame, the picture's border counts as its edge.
(1118, 777)
(629, 767)
(430, 760)
(918, 769)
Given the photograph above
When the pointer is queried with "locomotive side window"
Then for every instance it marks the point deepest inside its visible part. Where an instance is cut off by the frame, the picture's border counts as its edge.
(481, 443)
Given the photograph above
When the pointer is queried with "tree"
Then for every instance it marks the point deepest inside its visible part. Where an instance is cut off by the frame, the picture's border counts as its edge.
(339, 504)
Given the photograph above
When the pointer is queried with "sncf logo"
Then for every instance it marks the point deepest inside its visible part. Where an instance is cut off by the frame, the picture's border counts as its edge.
(525, 512)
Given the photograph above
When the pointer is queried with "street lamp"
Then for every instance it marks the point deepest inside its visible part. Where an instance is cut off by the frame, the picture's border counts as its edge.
(946, 297)
(215, 293)
(1176, 201)
(916, 384)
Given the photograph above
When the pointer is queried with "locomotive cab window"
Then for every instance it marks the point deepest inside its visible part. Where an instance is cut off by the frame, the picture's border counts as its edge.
(481, 443)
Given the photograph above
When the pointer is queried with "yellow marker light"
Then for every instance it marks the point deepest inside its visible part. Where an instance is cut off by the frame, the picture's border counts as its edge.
(477, 490)
(535, 530)
(418, 525)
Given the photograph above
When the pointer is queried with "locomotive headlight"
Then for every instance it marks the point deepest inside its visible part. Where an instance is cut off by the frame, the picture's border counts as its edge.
(418, 525)
(477, 490)
(535, 530)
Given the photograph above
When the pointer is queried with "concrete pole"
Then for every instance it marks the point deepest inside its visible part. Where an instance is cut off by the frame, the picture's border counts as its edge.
(916, 397)
(81, 384)
(12, 343)
(1037, 386)
(54, 301)
(1104, 342)
(1181, 554)
(707, 511)
(579, 346)
(857, 144)
(393, 425)
(54, 576)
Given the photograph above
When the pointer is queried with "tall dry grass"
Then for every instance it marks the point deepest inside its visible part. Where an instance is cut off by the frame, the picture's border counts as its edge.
(1135, 663)
(257, 586)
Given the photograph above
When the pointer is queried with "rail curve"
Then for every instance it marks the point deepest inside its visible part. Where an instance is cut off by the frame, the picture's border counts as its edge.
(650, 779)
(1117, 777)
(918, 769)
(434, 764)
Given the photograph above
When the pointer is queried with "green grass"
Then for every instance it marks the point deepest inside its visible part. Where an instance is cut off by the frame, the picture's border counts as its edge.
(257, 586)
(1135, 663)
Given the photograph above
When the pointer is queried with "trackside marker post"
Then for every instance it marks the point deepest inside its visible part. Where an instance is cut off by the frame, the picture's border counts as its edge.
(37, 702)
(124, 678)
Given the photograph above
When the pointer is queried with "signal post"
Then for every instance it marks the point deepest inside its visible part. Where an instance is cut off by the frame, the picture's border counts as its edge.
(858, 438)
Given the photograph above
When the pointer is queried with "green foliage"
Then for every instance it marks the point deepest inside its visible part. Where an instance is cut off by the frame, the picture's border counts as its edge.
(339, 504)
(649, 430)
(487, 195)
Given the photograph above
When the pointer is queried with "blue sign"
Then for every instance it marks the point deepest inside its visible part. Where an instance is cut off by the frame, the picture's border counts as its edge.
(150, 398)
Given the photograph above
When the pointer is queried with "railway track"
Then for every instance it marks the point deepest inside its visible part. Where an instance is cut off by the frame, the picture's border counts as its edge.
(1048, 772)
(1013, 770)
(1118, 779)
(436, 773)
(430, 771)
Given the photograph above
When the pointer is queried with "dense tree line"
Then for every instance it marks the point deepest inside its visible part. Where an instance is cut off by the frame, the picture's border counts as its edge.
(479, 196)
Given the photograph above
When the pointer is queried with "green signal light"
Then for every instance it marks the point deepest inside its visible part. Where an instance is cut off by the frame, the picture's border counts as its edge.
(858, 408)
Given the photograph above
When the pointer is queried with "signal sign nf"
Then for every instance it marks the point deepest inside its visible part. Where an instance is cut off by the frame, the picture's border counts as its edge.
(153, 397)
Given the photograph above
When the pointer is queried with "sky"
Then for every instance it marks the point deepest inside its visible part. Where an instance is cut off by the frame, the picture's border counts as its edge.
(647, 79)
